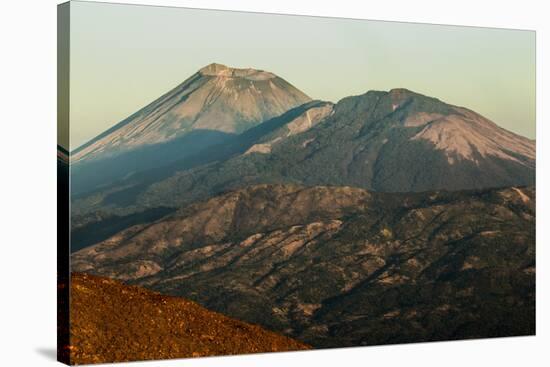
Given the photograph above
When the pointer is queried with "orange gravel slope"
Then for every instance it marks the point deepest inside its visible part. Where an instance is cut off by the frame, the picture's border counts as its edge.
(113, 322)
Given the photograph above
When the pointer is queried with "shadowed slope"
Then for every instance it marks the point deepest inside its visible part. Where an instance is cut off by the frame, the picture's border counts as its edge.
(194, 153)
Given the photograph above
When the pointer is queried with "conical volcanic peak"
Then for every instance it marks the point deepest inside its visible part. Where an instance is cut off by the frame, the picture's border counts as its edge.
(216, 98)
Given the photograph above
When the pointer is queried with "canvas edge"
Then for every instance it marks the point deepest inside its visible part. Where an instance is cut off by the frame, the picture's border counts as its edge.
(63, 184)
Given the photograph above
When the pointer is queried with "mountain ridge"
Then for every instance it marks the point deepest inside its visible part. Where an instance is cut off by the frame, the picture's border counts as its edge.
(396, 141)
(308, 261)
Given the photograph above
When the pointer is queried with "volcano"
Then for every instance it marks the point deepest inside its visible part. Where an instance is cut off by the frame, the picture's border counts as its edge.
(216, 98)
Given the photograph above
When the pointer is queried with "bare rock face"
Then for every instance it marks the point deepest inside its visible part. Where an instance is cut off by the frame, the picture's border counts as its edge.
(219, 70)
(216, 98)
(341, 266)
(465, 135)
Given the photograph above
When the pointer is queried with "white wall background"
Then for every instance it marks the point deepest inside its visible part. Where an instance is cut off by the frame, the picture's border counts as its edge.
(28, 183)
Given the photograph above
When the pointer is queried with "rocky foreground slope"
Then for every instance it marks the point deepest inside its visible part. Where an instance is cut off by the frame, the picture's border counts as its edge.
(341, 266)
(112, 322)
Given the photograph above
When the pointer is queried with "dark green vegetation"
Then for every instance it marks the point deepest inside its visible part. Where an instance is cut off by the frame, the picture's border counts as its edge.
(341, 266)
(396, 141)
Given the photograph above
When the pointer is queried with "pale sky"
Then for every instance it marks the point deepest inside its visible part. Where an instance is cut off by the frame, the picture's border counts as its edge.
(125, 56)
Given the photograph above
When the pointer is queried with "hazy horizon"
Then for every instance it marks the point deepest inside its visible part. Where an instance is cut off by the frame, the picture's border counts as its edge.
(141, 52)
